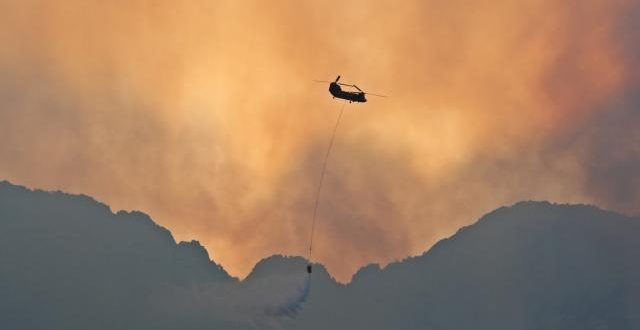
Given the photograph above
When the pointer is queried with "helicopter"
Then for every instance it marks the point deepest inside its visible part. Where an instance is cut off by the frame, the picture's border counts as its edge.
(337, 91)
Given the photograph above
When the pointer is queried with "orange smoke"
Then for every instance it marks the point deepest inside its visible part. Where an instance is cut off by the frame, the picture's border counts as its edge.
(203, 114)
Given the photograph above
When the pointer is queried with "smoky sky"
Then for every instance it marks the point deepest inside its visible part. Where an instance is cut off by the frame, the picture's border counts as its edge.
(204, 115)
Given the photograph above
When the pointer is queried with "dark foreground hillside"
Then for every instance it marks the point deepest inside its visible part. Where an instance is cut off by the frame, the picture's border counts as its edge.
(68, 262)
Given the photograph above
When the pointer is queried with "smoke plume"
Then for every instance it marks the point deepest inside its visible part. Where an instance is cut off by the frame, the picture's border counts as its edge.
(204, 114)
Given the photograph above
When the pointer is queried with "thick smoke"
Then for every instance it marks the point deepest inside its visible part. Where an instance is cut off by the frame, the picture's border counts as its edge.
(203, 114)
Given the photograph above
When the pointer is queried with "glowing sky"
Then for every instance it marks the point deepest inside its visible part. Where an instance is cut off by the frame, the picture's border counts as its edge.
(204, 115)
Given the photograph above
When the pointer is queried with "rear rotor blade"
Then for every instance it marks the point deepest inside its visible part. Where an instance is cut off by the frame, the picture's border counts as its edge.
(376, 94)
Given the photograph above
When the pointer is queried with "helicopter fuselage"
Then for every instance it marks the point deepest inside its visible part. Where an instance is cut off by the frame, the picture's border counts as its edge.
(336, 91)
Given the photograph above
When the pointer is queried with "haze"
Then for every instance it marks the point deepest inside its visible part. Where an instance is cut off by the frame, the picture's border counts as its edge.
(204, 115)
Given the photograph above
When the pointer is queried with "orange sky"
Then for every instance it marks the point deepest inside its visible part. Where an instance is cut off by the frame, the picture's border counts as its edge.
(204, 114)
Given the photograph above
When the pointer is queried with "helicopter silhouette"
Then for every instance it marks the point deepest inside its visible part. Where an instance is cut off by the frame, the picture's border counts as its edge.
(352, 96)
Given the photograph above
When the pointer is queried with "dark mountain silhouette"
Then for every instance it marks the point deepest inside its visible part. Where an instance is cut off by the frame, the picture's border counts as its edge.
(68, 262)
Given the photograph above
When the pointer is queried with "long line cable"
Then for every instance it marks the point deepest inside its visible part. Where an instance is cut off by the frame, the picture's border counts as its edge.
(294, 304)
(324, 168)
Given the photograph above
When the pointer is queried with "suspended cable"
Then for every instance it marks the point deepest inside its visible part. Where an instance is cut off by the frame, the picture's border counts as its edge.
(324, 168)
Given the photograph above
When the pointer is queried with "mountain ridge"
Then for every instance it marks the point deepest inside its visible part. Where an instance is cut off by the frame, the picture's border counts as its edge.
(195, 245)
(73, 263)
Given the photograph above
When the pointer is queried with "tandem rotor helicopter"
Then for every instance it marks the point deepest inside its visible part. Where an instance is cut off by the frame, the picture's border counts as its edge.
(351, 96)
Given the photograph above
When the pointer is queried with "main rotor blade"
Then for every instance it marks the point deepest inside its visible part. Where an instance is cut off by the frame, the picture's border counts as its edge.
(322, 81)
